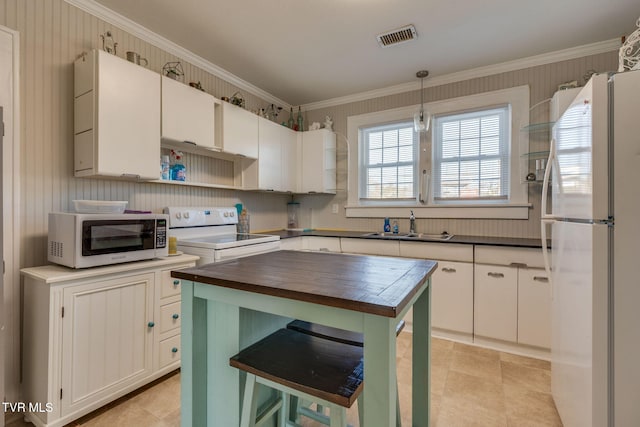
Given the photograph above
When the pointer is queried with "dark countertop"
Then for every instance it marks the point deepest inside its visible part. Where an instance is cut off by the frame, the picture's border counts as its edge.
(468, 240)
(375, 285)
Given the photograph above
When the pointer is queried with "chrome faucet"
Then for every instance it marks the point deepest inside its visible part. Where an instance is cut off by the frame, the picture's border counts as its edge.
(412, 223)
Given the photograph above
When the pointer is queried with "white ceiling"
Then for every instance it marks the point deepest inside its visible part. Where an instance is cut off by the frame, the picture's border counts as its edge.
(304, 51)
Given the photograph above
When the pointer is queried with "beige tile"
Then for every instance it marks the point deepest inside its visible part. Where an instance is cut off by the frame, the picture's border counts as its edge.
(459, 413)
(524, 377)
(525, 361)
(530, 408)
(483, 365)
(125, 414)
(161, 399)
(470, 390)
(472, 349)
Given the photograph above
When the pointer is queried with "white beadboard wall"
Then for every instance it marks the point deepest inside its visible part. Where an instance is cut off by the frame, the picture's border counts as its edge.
(52, 35)
(543, 81)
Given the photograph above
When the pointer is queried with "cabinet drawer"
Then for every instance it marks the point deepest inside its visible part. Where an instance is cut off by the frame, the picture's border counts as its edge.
(501, 255)
(169, 351)
(170, 317)
(170, 285)
(439, 251)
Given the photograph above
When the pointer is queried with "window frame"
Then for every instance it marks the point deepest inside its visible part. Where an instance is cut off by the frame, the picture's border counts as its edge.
(504, 111)
(363, 167)
(516, 207)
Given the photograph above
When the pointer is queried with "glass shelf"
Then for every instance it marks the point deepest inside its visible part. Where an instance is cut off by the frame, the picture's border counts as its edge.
(535, 155)
(538, 127)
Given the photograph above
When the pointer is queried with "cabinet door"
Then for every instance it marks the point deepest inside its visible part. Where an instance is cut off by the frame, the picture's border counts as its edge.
(128, 118)
(534, 307)
(187, 114)
(496, 302)
(318, 149)
(107, 338)
(269, 155)
(290, 162)
(239, 131)
(452, 296)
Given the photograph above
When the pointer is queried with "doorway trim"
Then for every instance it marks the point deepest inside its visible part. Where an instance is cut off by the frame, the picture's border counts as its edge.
(11, 228)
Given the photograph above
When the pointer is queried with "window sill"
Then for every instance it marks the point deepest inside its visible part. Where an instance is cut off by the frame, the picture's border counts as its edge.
(510, 211)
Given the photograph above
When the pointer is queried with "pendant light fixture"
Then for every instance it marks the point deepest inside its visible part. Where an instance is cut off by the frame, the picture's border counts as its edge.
(421, 120)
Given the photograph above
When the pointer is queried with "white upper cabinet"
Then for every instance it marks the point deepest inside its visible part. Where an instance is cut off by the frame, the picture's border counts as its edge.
(318, 150)
(188, 114)
(239, 131)
(270, 154)
(116, 118)
(277, 163)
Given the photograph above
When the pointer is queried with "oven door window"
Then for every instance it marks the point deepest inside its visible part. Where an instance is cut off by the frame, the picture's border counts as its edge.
(106, 236)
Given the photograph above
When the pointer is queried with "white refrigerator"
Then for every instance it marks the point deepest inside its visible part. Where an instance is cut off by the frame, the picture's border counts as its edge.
(594, 169)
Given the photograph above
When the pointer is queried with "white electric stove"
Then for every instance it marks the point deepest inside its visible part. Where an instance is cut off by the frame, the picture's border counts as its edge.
(210, 233)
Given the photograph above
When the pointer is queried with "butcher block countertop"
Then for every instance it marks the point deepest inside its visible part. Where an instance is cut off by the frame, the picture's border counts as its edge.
(374, 285)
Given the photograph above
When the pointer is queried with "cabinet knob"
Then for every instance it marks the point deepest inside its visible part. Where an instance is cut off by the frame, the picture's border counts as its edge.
(175, 315)
(495, 275)
(176, 282)
(174, 350)
(151, 324)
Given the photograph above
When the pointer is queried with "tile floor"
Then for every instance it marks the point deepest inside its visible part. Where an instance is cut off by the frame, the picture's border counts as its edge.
(470, 386)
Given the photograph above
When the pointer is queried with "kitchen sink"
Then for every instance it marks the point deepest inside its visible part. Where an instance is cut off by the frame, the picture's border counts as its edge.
(442, 237)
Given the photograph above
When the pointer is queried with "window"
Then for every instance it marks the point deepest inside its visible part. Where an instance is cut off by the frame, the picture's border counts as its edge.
(471, 156)
(467, 166)
(389, 162)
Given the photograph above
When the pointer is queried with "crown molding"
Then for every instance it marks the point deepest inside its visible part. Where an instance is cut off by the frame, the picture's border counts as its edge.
(101, 12)
(518, 64)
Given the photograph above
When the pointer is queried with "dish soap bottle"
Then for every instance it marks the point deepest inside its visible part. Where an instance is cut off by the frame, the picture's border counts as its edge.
(178, 170)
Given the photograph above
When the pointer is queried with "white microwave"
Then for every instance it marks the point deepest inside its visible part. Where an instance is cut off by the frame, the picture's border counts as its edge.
(79, 240)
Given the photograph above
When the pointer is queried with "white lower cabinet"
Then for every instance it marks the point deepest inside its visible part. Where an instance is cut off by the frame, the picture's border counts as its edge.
(452, 296)
(106, 340)
(93, 335)
(512, 300)
(496, 302)
(534, 307)
(451, 287)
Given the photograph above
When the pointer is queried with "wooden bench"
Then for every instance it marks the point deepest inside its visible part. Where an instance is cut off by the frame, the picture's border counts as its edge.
(302, 365)
(342, 336)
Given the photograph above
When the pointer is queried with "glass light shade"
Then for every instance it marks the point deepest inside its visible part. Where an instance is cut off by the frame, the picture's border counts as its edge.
(421, 121)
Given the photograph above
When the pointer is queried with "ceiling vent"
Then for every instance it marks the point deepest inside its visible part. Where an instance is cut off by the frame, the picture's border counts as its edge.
(397, 36)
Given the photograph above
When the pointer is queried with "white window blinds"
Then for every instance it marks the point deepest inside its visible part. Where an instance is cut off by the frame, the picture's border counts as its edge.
(471, 156)
(389, 161)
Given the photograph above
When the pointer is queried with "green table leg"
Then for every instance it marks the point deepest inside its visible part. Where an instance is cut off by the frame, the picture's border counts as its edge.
(421, 372)
(193, 398)
(379, 371)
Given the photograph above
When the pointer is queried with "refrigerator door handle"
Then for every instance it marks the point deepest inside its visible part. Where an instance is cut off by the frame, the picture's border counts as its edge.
(547, 218)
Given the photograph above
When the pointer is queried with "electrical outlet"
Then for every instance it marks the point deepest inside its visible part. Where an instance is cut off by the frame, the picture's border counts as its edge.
(334, 208)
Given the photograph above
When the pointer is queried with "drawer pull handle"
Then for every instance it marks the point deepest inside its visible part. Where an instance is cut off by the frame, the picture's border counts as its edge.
(175, 315)
(176, 282)
(496, 275)
(174, 350)
(448, 270)
(151, 324)
(541, 279)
